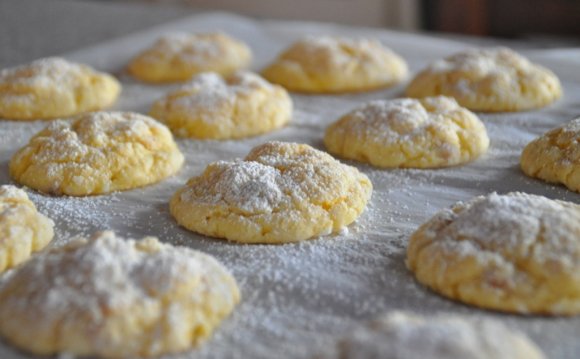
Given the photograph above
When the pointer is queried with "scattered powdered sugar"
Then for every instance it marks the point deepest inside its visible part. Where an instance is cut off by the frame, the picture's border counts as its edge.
(273, 178)
(398, 120)
(299, 298)
(43, 73)
(104, 277)
(337, 50)
(8, 192)
(513, 226)
(209, 94)
(400, 335)
(483, 62)
(195, 49)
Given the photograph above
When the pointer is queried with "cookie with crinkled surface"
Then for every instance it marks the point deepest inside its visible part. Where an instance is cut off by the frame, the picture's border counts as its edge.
(115, 298)
(515, 252)
(23, 230)
(493, 79)
(54, 87)
(211, 107)
(555, 156)
(331, 64)
(281, 192)
(427, 133)
(179, 56)
(400, 335)
(97, 153)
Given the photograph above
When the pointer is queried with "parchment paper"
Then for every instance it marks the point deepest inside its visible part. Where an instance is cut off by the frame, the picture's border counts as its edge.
(298, 298)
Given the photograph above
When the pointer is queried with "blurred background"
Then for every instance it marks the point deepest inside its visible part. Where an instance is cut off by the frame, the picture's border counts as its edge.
(34, 28)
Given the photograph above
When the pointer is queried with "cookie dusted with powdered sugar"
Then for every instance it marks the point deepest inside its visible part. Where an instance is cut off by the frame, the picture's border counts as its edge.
(179, 56)
(332, 64)
(555, 156)
(515, 252)
(97, 153)
(115, 298)
(23, 230)
(281, 192)
(400, 335)
(54, 87)
(408, 133)
(211, 107)
(494, 80)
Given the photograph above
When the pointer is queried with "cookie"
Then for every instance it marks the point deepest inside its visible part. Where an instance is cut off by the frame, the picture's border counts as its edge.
(427, 133)
(115, 298)
(281, 192)
(492, 80)
(97, 153)
(555, 156)
(211, 107)
(54, 87)
(514, 253)
(179, 56)
(401, 335)
(22, 229)
(333, 64)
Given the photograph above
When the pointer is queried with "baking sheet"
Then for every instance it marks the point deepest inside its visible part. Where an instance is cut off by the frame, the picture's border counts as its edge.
(298, 298)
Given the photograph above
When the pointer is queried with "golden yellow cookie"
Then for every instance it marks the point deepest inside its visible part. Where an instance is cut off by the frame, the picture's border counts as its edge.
(494, 80)
(115, 298)
(53, 87)
(329, 64)
(427, 133)
(515, 253)
(555, 156)
(281, 192)
(400, 335)
(97, 153)
(242, 105)
(179, 56)
(22, 229)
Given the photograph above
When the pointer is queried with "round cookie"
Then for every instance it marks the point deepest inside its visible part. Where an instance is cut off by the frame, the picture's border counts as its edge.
(54, 87)
(494, 80)
(210, 107)
(97, 153)
(22, 229)
(115, 298)
(401, 335)
(427, 133)
(281, 192)
(180, 56)
(515, 253)
(555, 156)
(332, 64)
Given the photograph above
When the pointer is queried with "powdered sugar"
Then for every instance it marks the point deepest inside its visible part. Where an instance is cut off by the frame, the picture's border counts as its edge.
(47, 72)
(398, 120)
(403, 336)
(90, 285)
(300, 298)
(513, 226)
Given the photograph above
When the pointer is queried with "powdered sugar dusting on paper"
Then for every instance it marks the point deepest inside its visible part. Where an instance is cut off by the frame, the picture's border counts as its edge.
(299, 298)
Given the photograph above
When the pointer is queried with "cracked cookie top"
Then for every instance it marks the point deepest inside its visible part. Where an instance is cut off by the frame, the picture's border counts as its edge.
(54, 87)
(425, 133)
(179, 56)
(210, 106)
(114, 298)
(555, 156)
(332, 64)
(515, 252)
(97, 153)
(281, 192)
(493, 79)
(23, 230)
